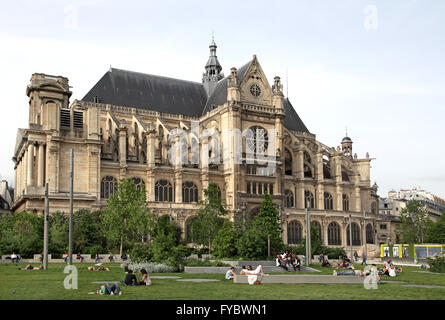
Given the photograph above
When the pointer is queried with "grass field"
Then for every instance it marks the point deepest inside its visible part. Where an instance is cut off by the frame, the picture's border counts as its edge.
(48, 284)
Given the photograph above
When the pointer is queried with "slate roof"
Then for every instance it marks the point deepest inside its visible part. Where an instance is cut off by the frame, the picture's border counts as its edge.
(146, 91)
(151, 92)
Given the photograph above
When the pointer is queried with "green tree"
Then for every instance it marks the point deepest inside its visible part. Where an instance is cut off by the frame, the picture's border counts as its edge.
(58, 224)
(268, 223)
(210, 217)
(21, 233)
(224, 244)
(126, 217)
(413, 222)
(88, 231)
(435, 231)
(316, 244)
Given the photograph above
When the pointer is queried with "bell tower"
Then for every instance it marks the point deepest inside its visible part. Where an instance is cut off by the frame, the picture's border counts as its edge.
(346, 146)
(213, 71)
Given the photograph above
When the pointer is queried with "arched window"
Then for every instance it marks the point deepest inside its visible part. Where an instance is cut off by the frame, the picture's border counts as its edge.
(108, 187)
(191, 235)
(163, 191)
(334, 235)
(317, 226)
(326, 168)
(355, 235)
(287, 163)
(257, 140)
(140, 184)
(344, 175)
(294, 232)
(308, 198)
(189, 192)
(288, 199)
(345, 202)
(328, 202)
(369, 233)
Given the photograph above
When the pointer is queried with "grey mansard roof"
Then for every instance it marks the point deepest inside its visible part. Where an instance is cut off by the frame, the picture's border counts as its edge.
(151, 92)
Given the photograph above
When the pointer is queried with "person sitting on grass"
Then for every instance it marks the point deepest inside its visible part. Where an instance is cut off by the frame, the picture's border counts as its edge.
(106, 289)
(130, 279)
(230, 274)
(145, 281)
(253, 276)
(30, 267)
(325, 263)
(110, 257)
(393, 270)
(281, 262)
(126, 268)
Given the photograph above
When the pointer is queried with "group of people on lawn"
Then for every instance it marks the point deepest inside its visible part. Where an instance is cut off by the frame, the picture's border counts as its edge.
(288, 260)
(130, 280)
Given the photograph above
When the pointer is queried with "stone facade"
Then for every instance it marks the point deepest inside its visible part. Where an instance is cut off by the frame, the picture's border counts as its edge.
(112, 142)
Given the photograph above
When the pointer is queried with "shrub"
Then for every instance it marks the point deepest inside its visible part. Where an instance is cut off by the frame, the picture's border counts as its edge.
(150, 267)
(93, 250)
(193, 262)
(252, 244)
(225, 241)
(437, 264)
(141, 253)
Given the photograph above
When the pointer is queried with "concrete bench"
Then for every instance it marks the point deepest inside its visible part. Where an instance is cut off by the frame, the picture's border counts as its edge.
(223, 270)
(304, 279)
(37, 257)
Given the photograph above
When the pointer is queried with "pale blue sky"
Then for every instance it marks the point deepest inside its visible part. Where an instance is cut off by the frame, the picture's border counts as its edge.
(387, 85)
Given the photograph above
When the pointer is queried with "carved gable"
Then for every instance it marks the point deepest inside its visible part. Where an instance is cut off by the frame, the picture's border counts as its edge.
(255, 88)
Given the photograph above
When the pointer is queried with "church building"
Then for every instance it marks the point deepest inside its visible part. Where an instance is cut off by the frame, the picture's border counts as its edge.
(173, 137)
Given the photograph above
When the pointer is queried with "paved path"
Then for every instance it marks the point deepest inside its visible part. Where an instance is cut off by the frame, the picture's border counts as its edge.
(199, 280)
(306, 279)
(423, 286)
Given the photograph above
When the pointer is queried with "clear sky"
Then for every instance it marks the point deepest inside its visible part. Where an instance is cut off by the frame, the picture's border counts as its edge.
(376, 67)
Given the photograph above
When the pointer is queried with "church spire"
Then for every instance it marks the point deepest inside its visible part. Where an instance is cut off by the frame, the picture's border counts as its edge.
(213, 70)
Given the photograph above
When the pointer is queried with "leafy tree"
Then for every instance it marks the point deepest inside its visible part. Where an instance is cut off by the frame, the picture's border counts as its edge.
(224, 243)
(252, 244)
(413, 221)
(316, 244)
(210, 217)
(58, 232)
(126, 217)
(88, 230)
(435, 231)
(268, 224)
(21, 233)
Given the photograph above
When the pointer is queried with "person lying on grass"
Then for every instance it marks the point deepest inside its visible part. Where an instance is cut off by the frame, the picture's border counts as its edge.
(361, 273)
(30, 267)
(98, 269)
(253, 276)
(106, 289)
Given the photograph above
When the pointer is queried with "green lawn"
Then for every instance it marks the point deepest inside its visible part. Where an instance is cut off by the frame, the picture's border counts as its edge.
(48, 284)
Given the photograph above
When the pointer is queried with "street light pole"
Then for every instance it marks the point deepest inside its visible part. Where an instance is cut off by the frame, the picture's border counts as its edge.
(350, 234)
(364, 234)
(45, 229)
(71, 210)
(308, 235)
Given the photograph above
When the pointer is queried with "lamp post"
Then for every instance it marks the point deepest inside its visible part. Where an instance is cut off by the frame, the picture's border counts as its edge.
(364, 234)
(350, 234)
(308, 234)
(45, 229)
(70, 237)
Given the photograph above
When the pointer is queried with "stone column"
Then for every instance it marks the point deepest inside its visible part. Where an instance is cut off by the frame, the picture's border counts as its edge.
(299, 165)
(358, 206)
(150, 185)
(150, 152)
(41, 166)
(30, 169)
(123, 145)
(178, 187)
(299, 197)
(338, 199)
